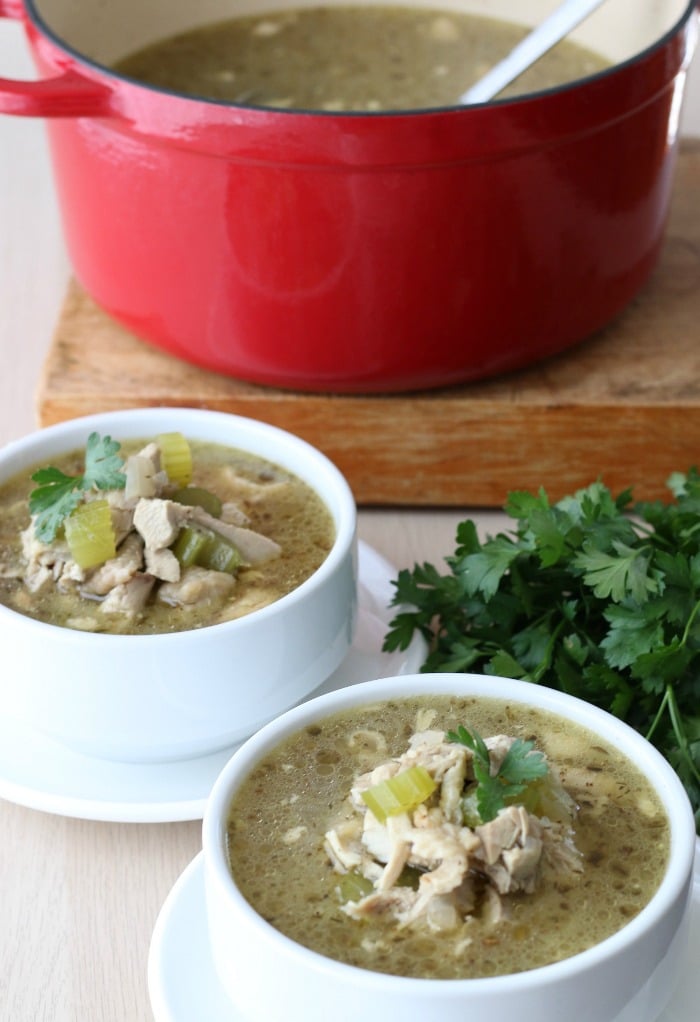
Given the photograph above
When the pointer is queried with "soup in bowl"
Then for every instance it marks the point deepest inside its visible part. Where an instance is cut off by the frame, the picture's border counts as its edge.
(448, 846)
(170, 579)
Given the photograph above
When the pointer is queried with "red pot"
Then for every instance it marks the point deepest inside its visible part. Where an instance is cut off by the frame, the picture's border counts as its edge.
(352, 252)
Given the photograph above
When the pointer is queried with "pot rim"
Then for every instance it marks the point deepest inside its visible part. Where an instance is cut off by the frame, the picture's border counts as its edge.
(555, 91)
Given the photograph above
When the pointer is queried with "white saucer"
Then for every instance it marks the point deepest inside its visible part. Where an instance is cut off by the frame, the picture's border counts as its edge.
(37, 772)
(183, 984)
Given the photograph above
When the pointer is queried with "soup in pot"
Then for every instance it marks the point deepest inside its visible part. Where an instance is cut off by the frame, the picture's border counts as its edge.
(354, 58)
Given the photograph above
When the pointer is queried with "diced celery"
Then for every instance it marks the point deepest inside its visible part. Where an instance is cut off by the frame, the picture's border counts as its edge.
(175, 457)
(354, 886)
(189, 544)
(399, 794)
(219, 554)
(90, 534)
(205, 548)
(197, 496)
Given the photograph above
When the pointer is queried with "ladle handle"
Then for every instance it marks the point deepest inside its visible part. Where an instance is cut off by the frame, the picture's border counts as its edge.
(68, 94)
(549, 32)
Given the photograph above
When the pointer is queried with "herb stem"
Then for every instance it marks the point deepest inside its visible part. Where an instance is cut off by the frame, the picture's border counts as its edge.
(546, 661)
(689, 622)
(659, 714)
(679, 731)
(669, 702)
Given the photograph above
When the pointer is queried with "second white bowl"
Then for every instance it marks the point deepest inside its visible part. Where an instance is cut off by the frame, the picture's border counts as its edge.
(183, 694)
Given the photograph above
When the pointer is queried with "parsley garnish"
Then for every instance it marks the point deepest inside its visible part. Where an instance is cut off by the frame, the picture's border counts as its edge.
(494, 791)
(58, 494)
(594, 595)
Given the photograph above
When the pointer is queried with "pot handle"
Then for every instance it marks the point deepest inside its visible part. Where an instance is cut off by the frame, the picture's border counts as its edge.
(66, 95)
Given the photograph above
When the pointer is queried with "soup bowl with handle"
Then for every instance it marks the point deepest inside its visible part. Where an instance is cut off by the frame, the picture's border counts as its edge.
(628, 977)
(180, 694)
(357, 252)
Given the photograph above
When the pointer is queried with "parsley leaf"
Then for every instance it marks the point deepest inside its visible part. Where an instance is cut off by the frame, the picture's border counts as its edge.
(58, 494)
(596, 595)
(496, 790)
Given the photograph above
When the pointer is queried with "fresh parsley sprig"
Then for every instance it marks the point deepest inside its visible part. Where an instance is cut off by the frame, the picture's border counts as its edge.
(596, 595)
(58, 494)
(494, 791)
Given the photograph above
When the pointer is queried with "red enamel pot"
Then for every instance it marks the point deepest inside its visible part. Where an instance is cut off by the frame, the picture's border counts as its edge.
(357, 252)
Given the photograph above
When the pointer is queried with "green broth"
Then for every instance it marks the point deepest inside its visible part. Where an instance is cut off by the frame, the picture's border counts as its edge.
(348, 58)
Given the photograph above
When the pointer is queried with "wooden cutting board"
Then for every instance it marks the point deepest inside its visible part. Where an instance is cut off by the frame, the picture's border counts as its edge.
(623, 406)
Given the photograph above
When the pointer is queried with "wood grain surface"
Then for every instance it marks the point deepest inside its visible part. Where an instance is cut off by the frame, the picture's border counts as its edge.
(623, 405)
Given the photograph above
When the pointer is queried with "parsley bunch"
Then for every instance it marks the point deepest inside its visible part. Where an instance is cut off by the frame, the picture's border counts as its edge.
(58, 494)
(594, 595)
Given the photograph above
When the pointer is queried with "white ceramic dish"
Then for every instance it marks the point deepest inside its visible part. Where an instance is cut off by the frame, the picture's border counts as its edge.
(149, 698)
(183, 984)
(37, 772)
(629, 977)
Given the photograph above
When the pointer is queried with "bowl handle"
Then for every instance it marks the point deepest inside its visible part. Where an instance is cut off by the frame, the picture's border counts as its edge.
(66, 95)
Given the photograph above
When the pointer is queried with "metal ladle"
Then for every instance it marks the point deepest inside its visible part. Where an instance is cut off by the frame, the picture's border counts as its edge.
(549, 32)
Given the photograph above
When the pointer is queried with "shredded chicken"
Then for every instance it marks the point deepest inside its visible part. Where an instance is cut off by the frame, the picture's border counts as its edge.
(461, 870)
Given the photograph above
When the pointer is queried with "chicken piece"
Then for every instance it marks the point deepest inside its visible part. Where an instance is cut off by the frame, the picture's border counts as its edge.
(376, 838)
(196, 586)
(443, 853)
(343, 845)
(163, 564)
(399, 901)
(128, 597)
(499, 833)
(143, 473)
(511, 850)
(558, 849)
(498, 746)
(399, 830)
(45, 562)
(158, 521)
(119, 569)
(253, 547)
(122, 523)
(451, 791)
(37, 577)
(429, 749)
(522, 863)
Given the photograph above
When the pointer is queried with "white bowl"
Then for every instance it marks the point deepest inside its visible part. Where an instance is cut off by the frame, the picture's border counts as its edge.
(183, 694)
(628, 977)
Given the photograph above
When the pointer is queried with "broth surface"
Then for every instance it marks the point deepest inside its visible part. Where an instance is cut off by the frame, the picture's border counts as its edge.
(348, 58)
(278, 504)
(280, 814)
